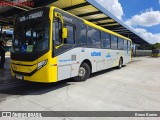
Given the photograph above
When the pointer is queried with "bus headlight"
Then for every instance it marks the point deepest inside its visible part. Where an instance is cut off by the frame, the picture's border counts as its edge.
(41, 64)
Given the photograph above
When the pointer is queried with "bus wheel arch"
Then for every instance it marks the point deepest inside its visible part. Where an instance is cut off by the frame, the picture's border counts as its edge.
(88, 62)
(84, 71)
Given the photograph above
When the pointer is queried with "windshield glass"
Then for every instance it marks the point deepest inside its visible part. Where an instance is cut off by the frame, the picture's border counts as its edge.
(31, 36)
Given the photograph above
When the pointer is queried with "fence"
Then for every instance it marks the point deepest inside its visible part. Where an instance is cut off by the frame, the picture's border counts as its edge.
(139, 53)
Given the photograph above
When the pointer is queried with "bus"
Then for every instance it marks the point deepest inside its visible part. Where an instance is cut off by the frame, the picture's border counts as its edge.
(50, 45)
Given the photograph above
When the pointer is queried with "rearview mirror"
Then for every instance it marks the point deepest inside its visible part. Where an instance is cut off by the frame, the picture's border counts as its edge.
(65, 33)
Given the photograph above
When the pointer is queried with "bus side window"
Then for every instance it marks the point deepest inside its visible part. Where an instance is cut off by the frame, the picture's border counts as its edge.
(114, 42)
(83, 35)
(106, 42)
(120, 44)
(93, 38)
(71, 34)
(57, 36)
(125, 45)
(129, 45)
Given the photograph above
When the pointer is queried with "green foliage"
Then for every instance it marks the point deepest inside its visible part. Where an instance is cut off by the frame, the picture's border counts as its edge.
(156, 46)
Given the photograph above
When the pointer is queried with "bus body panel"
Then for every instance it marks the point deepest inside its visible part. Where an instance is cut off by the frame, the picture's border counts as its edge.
(100, 59)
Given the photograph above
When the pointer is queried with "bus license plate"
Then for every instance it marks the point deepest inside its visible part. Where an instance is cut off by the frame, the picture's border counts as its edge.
(19, 77)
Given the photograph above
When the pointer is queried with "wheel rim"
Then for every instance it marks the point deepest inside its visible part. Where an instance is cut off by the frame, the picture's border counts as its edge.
(82, 72)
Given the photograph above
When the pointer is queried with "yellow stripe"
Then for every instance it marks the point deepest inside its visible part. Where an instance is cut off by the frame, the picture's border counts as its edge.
(53, 61)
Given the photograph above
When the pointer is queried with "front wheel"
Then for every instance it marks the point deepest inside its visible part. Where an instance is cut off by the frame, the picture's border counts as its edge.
(83, 73)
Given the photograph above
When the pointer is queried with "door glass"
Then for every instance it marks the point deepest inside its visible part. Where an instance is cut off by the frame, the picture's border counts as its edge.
(57, 30)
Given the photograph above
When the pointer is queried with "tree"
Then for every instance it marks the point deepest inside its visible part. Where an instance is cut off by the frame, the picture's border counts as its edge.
(156, 46)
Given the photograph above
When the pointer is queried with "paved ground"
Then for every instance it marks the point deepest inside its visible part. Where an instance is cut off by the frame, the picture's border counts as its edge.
(5, 75)
(136, 87)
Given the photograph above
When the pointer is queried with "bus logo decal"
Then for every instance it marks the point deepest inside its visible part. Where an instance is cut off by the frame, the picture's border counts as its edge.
(95, 53)
(83, 50)
(108, 55)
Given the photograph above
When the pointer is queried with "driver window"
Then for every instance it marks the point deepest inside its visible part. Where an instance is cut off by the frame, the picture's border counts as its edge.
(57, 30)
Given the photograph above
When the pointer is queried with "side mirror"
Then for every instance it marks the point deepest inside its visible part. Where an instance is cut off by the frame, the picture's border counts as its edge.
(64, 33)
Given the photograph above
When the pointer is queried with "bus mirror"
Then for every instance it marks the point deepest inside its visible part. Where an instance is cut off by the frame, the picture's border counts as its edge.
(56, 14)
(65, 33)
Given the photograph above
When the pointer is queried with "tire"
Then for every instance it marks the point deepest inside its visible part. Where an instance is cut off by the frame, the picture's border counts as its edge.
(84, 73)
(120, 63)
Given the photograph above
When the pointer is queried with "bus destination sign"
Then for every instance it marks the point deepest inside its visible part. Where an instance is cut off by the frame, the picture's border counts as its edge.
(32, 16)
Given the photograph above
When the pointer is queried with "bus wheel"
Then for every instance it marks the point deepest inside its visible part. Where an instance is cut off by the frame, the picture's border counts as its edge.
(84, 73)
(120, 63)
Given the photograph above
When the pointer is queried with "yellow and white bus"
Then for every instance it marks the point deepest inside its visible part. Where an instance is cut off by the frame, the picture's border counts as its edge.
(50, 45)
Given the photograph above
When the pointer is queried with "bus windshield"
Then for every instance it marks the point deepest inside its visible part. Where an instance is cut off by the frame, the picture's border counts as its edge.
(31, 36)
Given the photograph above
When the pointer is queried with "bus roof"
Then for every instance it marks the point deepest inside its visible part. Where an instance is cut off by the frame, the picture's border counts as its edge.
(96, 26)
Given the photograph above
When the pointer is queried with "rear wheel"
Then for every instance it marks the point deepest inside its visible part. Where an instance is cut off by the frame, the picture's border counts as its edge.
(83, 73)
(120, 63)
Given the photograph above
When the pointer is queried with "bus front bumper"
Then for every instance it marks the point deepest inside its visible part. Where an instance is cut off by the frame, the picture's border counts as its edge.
(42, 75)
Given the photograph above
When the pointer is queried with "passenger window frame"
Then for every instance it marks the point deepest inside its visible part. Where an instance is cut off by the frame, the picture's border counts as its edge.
(102, 32)
(116, 48)
(93, 46)
(74, 33)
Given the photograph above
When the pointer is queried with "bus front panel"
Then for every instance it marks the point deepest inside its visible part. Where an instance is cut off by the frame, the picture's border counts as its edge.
(31, 55)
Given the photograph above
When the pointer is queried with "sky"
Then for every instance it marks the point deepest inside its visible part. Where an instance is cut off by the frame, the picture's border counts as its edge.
(141, 15)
